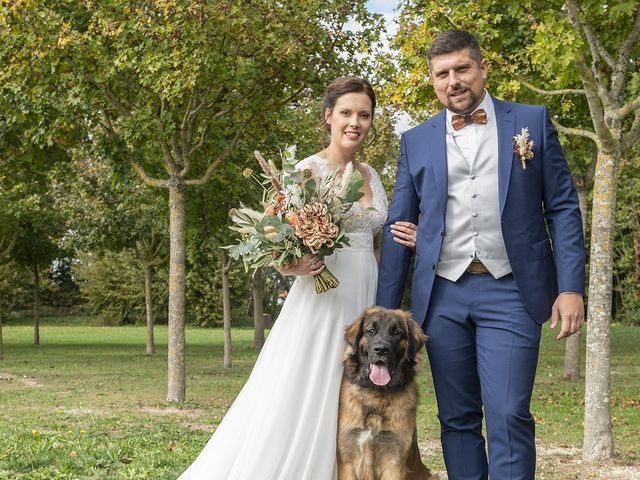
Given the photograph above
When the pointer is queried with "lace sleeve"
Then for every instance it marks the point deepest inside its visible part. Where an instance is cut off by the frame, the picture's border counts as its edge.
(370, 220)
(380, 201)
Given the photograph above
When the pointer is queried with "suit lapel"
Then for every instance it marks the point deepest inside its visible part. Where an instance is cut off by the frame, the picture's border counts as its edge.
(437, 142)
(505, 121)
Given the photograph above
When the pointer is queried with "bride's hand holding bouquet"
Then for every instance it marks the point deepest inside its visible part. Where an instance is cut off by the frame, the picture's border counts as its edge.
(301, 221)
(308, 264)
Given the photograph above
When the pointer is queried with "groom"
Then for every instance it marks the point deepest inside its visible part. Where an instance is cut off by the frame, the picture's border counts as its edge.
(499, 251)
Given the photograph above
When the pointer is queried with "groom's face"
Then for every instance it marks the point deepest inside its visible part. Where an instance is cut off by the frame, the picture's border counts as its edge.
(458, 79)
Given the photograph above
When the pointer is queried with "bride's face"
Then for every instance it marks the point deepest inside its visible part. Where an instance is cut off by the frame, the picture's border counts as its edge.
(350, 120)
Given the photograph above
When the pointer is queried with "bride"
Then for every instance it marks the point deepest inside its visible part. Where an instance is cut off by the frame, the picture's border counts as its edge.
(283, 424)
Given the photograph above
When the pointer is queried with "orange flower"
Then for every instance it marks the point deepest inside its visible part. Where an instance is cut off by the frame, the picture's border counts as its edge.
(275, 207)
(292, 218)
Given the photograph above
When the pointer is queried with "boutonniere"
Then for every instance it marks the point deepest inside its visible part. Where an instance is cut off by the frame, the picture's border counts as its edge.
(523, 147)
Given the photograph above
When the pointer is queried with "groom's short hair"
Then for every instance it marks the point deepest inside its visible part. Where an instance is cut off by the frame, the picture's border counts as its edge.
(453, 41)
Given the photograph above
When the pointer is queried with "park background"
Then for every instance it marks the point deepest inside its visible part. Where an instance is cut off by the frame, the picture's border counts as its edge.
(126, 331)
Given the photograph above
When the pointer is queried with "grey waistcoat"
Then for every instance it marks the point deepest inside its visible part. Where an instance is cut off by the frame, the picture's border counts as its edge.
(473, 226)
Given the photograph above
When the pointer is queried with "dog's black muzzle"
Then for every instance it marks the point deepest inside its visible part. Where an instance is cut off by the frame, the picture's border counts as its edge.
(379, 352)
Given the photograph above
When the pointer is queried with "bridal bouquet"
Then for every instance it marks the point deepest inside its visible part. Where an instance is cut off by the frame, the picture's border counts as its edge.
(301, 214)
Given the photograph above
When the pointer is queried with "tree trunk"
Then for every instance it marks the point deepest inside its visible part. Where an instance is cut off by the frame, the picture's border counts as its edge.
(572, 355)
(148, 297)
(636, 241)
(1, 339)
(226, 308)
(258, 309)
(177, 220)
(5, 248)
(573, 345)
(36, 305)
(598, 438)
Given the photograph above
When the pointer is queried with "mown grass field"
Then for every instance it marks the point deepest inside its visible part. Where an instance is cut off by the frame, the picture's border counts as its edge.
(89, 404)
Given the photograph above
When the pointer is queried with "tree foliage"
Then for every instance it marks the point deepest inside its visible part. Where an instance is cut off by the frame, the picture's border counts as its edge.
(626, 268)
(169, 87)
(113, 285)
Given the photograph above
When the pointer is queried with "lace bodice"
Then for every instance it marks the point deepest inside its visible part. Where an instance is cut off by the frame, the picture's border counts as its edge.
(357, 219)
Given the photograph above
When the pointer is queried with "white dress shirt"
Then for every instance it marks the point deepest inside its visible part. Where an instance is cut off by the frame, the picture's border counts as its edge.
(468, 137)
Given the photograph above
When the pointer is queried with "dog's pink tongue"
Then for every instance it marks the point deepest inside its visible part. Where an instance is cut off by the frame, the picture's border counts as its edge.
(379, 374)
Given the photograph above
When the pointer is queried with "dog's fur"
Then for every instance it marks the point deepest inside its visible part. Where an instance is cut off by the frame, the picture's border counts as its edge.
(377, 424)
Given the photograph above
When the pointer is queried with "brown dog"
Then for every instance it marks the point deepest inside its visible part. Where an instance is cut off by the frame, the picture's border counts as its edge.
(379, 397)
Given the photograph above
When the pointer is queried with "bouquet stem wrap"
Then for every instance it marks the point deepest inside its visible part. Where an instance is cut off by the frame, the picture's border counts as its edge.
(325, 281)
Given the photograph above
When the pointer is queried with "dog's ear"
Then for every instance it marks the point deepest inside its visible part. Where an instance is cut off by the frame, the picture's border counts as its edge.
(353, 333)
(416, 336)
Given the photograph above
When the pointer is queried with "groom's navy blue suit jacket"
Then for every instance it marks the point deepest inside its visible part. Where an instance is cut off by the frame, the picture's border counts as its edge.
(541, 222)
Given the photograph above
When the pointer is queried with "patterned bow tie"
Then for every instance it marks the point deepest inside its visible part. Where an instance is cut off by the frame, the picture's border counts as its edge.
(459, 121)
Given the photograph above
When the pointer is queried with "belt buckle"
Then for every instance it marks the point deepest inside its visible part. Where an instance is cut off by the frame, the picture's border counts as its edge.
(476, 267)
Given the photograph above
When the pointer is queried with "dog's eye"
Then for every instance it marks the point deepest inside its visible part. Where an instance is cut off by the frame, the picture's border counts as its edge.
(395, 331)
(371, 330)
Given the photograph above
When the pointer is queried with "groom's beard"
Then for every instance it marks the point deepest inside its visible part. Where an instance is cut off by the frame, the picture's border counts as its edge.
(472, 103)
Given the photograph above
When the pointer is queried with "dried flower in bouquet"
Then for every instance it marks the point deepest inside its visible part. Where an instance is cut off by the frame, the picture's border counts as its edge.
(301, 214)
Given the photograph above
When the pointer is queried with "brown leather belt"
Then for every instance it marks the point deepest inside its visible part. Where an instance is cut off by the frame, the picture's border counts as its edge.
(476, 267)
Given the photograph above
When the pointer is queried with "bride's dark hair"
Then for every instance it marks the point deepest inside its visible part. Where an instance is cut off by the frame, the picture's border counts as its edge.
(339, 87)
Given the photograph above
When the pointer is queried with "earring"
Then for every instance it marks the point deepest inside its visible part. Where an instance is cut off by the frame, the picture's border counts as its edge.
(321, 125)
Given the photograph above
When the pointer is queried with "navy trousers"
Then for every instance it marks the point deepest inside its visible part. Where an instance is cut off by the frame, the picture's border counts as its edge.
(483, 350)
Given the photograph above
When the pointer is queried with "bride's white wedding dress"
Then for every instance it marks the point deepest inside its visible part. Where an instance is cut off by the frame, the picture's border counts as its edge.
(283, 424)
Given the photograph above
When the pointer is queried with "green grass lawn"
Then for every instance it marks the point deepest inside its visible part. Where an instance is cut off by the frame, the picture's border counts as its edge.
(89, 404)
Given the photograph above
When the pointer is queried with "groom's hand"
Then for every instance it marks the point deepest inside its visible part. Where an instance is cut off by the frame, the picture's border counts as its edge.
(569, 308)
